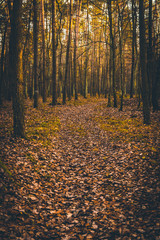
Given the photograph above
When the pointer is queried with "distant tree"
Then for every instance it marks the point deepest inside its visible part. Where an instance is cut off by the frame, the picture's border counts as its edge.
(2, 63)
(156, 87)
(133, 46)
(35, 40)
(67, 53)
(143, 63)
(26, 50)
(112, 51)
(54, 92)
(101, 57)
(120, 30)
(44, 93)
(78, 7)
(87, 53)
(153, 67)
(16, 68)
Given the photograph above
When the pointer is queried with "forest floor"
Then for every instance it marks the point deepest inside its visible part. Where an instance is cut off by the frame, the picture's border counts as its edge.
(85, 171)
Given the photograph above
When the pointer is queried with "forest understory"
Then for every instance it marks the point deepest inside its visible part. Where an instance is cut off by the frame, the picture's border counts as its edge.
(84, 171)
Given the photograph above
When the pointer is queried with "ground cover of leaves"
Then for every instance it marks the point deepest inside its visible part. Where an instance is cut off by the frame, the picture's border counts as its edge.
(84, 171)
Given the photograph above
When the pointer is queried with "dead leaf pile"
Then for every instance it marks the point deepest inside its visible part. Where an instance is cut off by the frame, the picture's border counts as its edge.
(85, 171)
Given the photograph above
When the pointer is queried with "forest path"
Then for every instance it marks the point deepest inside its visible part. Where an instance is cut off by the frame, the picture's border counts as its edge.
(105, 183)
(92, 182)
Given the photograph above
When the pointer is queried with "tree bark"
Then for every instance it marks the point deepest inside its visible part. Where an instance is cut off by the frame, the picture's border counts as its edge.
(2, 63)
(155, 87)
(151, 67)
(99, 66)
(113, 52)
(54, 69)
(87, 56)
(67, 53)
(25, 55)
(143, 63)
(133, 44)
(120, 30)
(44, 52)
(78, 6)
(16, 66)
(35, 41)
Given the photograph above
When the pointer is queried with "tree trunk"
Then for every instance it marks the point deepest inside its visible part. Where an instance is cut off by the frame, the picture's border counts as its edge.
(2, 63)
(75, 50)
(60, 72)
(143, 63)
(120, 29)
(67, 53)
(109, 79)
(44, 93)
(70, 77)
(86, 57)
(16, 66)
(150, 53)
(35, 40)
(99, 66)
(151, 66)
(93, 69)
(78, 7)
(133, 44)
(25, 55)
(155, 87)
(54, 69)
(113, 52)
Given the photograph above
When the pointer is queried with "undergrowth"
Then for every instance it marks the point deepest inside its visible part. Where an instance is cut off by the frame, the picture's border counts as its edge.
(129, 130)
(41, 125)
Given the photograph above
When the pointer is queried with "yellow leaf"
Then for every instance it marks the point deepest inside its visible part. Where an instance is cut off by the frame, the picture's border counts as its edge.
(81, 237)
(153, 149)
(95, 149)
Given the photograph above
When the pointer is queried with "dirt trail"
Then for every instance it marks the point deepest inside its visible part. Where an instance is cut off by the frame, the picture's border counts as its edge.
(86, 186)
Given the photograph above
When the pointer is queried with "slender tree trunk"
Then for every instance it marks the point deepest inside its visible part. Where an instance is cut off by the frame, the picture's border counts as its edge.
(60, 71)
(2, 63)
(16, 66)
(86, 57)
(103, 82)
(155, 87)
(80, 77)
(99, 65)
(93, 86)
(67, 53)
(44, 93)
(133, 44)
(113, 52)
(121, 66)
(48, 65)
(30, 89)
(109, 79)
(106, 77)
(75, 50)
(54, 68)
(120, 28)
(107, 69)
(151, 67)
(143, 63)
(139, 84)
(35, 40)
(70, 77)
(71, 80)
(78, 6)
(150, 53)
(25, 56)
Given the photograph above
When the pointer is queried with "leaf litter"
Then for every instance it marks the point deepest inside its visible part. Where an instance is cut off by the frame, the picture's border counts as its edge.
(84, 171)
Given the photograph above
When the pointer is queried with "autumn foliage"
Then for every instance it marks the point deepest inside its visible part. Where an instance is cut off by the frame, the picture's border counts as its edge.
(84, 171)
